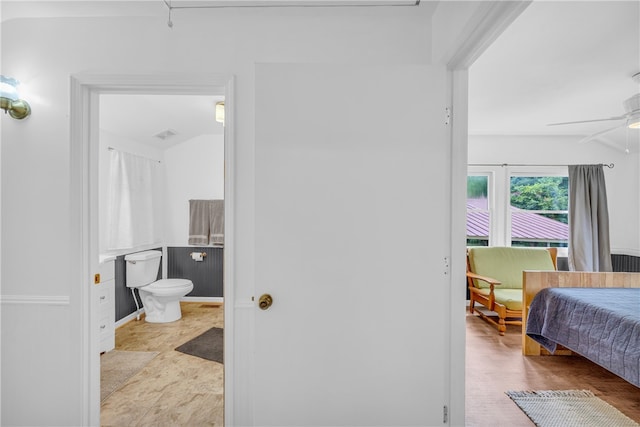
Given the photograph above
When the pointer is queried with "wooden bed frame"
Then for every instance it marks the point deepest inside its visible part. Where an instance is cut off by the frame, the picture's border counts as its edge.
(534, 281)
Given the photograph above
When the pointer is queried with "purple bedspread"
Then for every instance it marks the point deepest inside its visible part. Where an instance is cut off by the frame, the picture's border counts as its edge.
(601, 324)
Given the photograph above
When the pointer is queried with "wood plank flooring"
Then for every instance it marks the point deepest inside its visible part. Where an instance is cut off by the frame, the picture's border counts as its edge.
(174, 389)
(495, 364)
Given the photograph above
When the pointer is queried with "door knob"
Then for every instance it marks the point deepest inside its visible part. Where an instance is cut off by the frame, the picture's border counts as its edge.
(265, 302)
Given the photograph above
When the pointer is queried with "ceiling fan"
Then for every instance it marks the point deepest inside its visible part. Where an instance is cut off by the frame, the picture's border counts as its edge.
(631, 116)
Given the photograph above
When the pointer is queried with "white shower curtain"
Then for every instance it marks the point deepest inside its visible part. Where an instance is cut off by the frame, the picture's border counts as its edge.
(130, 201)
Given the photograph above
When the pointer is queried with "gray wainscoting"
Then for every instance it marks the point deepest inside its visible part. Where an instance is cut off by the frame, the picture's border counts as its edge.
(619, 262)
(206, 275)
(625, 263)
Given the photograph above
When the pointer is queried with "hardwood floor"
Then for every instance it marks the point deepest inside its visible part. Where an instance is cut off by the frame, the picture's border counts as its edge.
(495, 364)
(174, 389)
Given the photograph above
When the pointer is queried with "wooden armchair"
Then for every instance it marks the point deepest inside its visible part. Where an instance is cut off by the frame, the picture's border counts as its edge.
(494, 276)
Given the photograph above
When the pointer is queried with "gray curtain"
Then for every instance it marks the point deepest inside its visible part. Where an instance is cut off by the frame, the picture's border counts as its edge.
(589, 248)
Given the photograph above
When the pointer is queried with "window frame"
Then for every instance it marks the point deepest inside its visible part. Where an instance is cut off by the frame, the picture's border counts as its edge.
(491, 207)
(499, 196)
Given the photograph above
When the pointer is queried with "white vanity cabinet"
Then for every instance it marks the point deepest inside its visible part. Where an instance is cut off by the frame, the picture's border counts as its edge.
(105, 293)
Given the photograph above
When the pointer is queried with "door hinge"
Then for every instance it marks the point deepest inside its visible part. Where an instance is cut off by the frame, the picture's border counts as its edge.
(445, 414)
(447, 116)
(447, 266)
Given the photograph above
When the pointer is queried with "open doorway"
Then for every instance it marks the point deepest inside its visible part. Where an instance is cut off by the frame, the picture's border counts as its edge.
(87, 92)
(160, 174)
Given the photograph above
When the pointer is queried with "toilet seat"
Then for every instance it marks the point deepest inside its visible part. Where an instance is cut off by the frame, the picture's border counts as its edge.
(166, 287)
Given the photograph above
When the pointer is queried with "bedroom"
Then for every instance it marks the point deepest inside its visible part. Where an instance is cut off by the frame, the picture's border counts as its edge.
(543, 71)
(551, 67)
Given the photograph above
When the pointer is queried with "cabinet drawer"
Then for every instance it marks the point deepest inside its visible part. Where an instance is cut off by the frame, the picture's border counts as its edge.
(106, 325)
(105, 302)
(105, 293)
(107, 271)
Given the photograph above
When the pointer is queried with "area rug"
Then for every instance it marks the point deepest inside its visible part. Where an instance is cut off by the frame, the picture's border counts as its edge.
(116, 367)
(208, 346)
(569, 408)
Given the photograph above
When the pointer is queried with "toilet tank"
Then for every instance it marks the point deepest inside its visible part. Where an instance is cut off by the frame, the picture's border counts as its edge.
(142, 268)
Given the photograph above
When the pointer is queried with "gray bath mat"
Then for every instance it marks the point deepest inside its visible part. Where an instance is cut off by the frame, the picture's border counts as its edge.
(208, 345)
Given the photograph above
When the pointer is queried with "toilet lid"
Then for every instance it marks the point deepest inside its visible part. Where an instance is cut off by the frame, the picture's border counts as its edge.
(169, 285)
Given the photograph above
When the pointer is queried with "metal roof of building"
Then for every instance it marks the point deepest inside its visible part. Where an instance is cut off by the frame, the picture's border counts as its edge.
(525, 225)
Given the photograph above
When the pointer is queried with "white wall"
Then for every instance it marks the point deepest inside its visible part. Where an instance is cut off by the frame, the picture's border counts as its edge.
(622, 181)
(194, 169)
(41, 343)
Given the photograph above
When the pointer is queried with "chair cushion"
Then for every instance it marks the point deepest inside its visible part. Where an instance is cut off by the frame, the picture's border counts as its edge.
(506, 264)
(510, 298)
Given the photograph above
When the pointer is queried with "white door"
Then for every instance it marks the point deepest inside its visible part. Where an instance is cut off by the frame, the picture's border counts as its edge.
(352, 231)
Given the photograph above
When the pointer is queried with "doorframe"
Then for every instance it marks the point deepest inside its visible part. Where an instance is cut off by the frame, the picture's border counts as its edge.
(85, 91)
(487, 23)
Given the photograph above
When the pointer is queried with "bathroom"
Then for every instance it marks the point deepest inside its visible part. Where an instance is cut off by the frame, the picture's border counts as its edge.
(179, 148)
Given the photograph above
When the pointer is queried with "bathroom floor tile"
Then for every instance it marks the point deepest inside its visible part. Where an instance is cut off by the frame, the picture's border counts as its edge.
(174, 389)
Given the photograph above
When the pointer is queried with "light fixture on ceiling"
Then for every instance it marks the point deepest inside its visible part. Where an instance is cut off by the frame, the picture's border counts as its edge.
(10, 100)
(220, 112)
(633, 106)
(631, 119)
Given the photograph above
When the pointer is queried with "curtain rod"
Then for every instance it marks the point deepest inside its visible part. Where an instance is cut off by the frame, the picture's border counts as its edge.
(609, 165)
(132, 154)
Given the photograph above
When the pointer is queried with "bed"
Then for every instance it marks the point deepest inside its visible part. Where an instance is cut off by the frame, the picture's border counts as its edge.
(596, 315)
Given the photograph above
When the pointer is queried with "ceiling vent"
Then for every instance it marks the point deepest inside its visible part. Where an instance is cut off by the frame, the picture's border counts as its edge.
(165, 134)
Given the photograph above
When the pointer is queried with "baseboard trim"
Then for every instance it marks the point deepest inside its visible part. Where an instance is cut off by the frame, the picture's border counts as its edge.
(203, 299)
(128, 318)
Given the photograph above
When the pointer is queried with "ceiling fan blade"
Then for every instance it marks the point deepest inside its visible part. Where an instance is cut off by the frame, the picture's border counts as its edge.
(597, 134)
(589, 121)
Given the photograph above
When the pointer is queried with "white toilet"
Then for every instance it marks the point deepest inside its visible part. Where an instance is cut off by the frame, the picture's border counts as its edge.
(160, 298)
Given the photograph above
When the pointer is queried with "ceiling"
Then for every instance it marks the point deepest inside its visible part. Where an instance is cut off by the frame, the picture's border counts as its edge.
(142, 117)
(558, 62)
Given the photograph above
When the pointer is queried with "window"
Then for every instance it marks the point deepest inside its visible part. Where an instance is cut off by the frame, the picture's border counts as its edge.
(517, 206)
(539, 210)
(478, 214)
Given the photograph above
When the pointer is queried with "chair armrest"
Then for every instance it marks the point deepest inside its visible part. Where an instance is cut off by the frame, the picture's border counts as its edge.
(489, 280)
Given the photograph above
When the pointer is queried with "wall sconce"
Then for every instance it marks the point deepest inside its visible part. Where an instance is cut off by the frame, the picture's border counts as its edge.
(10, 101)
(220, 112)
